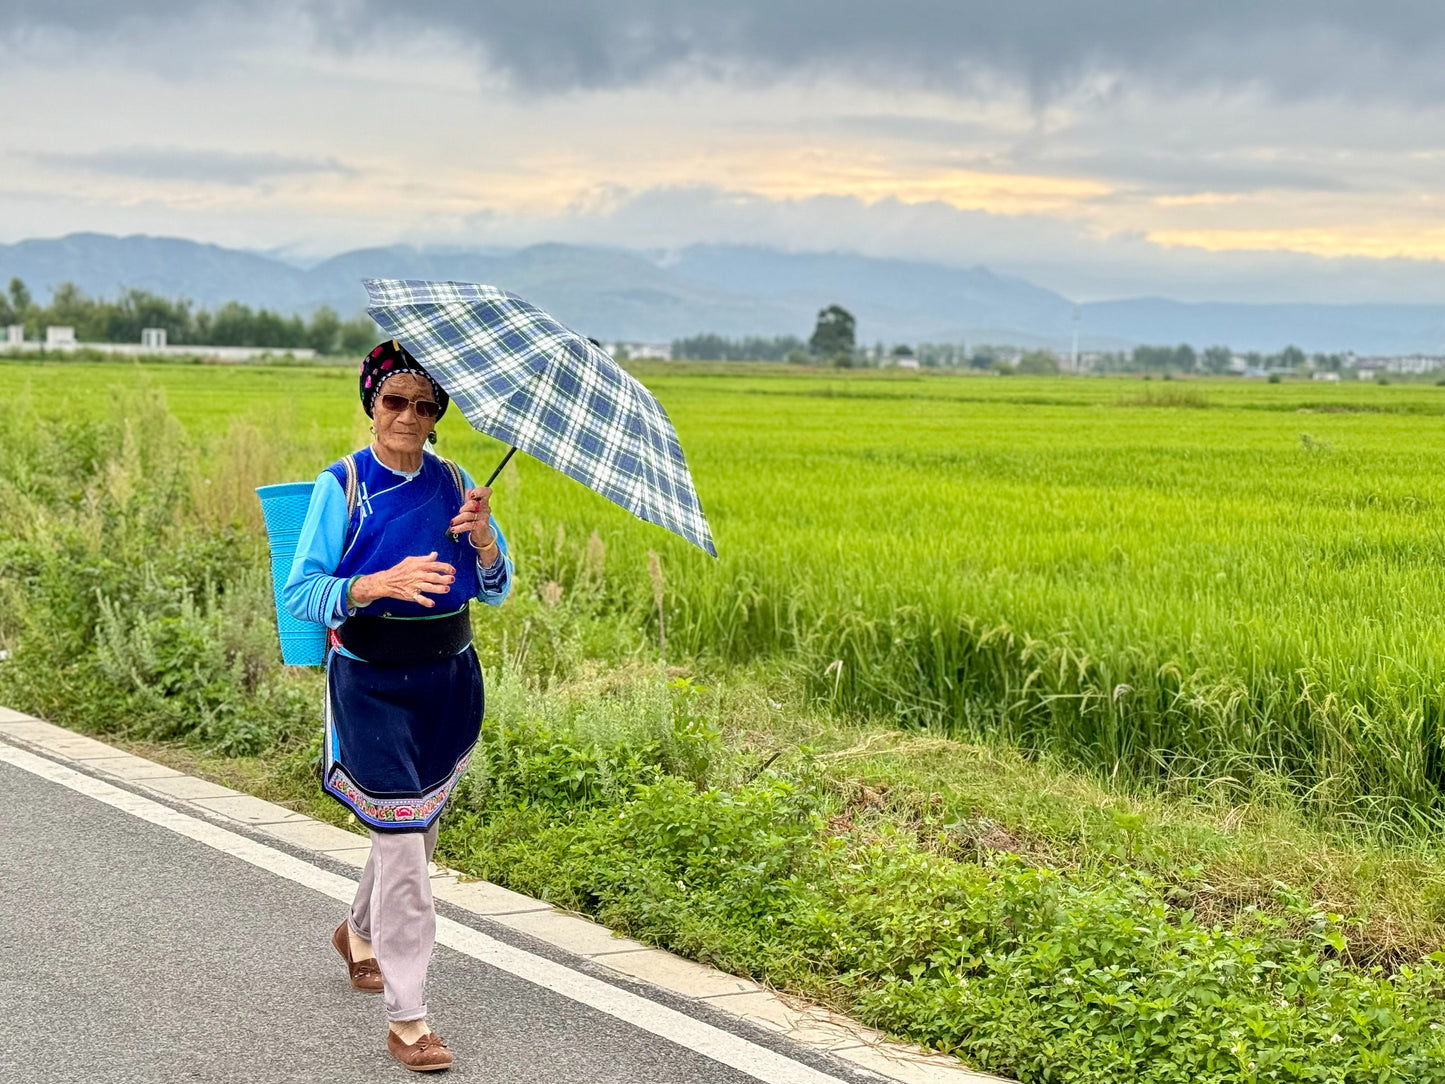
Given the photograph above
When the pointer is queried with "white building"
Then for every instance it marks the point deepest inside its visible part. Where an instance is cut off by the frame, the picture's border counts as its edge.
(658, 351)
(1332, 378)
(153, 341)
(1413, 364)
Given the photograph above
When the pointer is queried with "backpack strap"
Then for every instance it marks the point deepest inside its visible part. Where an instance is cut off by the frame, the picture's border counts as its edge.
(456, 473)
(353, 495)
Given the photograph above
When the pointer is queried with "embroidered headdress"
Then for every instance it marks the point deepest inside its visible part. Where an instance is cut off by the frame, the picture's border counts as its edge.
(389, 359)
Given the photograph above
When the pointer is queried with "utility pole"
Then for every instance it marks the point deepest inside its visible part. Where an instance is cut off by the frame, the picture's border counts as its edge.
(1074, 353)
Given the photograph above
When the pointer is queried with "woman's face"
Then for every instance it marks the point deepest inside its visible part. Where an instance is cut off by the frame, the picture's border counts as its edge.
(402, 432)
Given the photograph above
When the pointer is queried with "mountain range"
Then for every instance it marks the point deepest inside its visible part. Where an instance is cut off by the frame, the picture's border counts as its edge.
(731, 290)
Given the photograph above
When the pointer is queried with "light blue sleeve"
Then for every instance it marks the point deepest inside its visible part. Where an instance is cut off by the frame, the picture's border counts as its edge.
(312, 592)
(496, 582)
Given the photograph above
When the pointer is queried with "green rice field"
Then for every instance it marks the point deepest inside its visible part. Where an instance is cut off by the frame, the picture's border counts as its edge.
(1223, 583)
(1065, 725)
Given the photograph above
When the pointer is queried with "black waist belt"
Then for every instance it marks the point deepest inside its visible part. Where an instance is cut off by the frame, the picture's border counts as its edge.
(395, 641)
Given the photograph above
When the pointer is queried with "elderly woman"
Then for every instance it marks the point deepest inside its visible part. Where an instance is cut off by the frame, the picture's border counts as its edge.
(397, 542)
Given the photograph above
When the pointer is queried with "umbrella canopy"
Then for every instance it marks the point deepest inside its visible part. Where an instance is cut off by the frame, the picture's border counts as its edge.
(525, 378)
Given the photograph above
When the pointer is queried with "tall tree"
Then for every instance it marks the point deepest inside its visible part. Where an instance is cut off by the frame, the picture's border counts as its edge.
(1292, 357)
(835, 332)
(1216, 359)
(324, 333)
(19, 297)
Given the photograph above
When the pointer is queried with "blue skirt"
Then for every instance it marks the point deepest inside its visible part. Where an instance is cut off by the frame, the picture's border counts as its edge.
(399, 737)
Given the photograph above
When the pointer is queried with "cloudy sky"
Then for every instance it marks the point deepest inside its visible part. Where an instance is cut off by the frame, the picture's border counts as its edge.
(1235, 149)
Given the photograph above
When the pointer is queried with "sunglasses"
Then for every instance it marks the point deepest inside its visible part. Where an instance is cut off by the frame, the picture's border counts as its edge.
(424, 408)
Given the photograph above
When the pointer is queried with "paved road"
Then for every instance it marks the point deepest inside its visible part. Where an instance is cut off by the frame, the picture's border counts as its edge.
(129, 953)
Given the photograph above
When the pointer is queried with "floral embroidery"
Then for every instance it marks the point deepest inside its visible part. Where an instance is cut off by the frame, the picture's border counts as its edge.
(419, 810)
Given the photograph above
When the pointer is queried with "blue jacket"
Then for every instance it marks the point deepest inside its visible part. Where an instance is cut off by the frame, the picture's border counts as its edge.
(397, 515)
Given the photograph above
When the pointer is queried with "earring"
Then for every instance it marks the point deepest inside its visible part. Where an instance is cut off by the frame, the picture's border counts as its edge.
(432, 437)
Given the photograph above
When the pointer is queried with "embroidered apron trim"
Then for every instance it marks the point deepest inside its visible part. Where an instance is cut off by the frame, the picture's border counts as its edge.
(394, 812)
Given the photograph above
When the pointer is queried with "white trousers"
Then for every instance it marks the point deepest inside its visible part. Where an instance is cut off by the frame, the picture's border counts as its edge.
(393, 910)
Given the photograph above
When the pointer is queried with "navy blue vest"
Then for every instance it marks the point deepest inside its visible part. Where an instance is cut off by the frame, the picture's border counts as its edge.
(398, 517)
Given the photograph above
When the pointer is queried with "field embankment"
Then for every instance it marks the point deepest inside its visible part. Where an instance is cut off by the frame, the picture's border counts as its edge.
(1211, 631)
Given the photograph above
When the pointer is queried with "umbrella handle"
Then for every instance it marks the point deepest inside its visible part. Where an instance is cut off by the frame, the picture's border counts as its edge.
(452, 535)
(510, 452)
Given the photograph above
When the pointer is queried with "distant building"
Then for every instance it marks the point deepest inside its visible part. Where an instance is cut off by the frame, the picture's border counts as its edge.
(1366, 374)
(1333, 378)
(153, 341)
(906, 363)
(1413, 364)
(1255, 373)
(658, 351)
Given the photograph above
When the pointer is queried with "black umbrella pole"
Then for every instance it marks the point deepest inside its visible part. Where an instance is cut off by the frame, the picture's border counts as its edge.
(510, 452)
(505, 460)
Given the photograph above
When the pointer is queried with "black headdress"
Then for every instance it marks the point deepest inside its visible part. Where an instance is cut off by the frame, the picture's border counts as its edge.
(389, 359)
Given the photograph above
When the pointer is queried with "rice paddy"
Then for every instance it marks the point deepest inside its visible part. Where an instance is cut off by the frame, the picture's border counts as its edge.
(1217, 582)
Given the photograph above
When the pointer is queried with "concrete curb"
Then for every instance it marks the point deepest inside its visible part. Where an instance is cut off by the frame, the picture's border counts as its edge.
(807, 1025)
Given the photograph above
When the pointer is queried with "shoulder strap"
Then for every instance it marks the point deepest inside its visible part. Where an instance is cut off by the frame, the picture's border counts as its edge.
(456, 473)
(353, 497)
(348, 464)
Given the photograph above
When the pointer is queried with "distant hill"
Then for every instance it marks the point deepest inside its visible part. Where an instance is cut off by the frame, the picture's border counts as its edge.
(1366, 329)
(603, 292)
(731, 290)
(935, 303)
(102, 265)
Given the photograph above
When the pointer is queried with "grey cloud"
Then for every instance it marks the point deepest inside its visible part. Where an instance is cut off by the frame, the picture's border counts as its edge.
(179, 164)
(1295, 48)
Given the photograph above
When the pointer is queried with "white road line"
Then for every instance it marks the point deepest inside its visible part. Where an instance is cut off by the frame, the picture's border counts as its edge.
(677, 1027)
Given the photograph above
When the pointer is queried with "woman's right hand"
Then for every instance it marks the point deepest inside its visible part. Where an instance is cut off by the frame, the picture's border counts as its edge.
(411, 580)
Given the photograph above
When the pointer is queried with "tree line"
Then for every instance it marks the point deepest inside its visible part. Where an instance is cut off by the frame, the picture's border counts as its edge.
(834, 343)
(1214, 359)
(232, 324)
(747, 348)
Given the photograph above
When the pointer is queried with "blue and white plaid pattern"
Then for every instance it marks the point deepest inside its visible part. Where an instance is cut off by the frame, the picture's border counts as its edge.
(528, 380)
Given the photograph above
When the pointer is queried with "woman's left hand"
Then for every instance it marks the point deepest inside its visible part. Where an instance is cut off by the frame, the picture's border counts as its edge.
(475, 518)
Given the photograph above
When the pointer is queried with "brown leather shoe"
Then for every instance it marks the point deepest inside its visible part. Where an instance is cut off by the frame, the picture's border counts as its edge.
(365, 974)
(426, 1055)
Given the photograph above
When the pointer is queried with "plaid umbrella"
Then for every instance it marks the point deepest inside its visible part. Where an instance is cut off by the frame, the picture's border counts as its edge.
(526, 379)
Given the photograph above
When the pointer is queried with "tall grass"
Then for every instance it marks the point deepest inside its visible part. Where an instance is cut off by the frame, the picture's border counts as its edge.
(132, 582)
